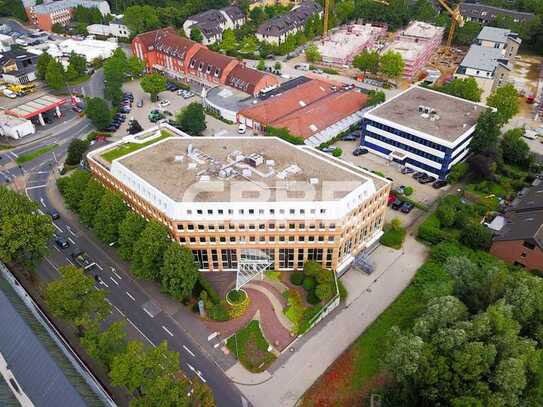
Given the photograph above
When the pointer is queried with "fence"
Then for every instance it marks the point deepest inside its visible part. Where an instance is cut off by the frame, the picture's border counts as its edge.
(57, 337)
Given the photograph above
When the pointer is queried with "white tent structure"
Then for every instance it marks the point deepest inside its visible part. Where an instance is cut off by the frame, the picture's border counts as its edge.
(252, 263)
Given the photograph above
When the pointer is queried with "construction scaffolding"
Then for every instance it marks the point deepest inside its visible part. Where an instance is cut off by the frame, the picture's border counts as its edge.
(252, 263)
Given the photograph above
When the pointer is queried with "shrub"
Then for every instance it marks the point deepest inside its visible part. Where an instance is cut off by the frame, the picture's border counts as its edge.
(211, 292)
(394, 235)
(312, 298)
(476, 236)
(446, 214)
(311, 268)
(430, 230)
(308, 315)
(342, 291)
(407, 191)
(218, 312)
(236, 296)
(443, 250)
(284, 134)
(309, 284)
(297, 278)
(325, 291)
(337, 152)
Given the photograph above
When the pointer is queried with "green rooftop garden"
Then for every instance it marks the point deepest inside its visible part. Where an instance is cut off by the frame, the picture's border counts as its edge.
(128, 148)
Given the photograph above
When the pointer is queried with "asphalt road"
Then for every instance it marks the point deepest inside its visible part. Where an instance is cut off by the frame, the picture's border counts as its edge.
(124, 294)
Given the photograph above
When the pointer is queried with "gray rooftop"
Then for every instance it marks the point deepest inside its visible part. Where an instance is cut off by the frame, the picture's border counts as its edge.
(530, 198)
(524, 226)
(295, 18)
(291, 165)
(489, 13)
(495, 34)
(229, 98)
(33, 367)
(483, 58)
(456, 115)
(50, 6)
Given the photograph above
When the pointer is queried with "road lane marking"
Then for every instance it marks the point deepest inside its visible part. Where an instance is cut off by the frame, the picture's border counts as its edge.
(58, 228)
(147, 312)
(167, 331)
(13, 154)
(52, 265)
(139, 330)
(71, 240)
(116, 275)
(115, 281)
(131, 296)
(100, 267)
(35, 187)
(103, 283)
(189, 351)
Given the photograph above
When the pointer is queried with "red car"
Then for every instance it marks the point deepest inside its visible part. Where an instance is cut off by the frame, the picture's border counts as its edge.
(391, 198)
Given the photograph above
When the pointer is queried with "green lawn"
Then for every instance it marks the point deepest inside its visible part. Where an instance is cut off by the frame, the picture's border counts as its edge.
(128, 148)
(78, 81)
(251, 348)
(23, 158)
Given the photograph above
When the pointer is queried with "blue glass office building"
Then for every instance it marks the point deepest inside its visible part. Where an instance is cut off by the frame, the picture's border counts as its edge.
(423, 129)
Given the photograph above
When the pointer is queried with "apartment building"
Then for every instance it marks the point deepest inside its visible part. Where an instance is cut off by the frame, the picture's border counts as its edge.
(46, 13)
(116, 28)
(212, 23)
(276, 30)
(423, 129)
(489, 60)
(222, 195)
(178, 57)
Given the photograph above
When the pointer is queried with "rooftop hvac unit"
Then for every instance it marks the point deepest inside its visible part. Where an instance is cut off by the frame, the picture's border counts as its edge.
(254, 159)
(246, 172)
(204, 178)
(178, 158)
(189, 149)
(192, 166)
(313, 181)
(270, 163)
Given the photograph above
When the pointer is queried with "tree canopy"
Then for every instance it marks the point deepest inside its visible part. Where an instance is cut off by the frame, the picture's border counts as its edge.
(148, 251)
(98, 112)
(141, 18)
(179, 273)
(312, 53)
(54, 75)
(191, 119)
(196, 34)
(515, 150)
(129, 232)
(367, 61)
(42, 64)
(76, 150)
(466, 88)
(505, 100)
(391, 64)
(153, 84)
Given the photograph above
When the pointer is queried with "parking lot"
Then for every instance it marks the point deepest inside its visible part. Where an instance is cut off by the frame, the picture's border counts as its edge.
(176, 103)
(424, 194)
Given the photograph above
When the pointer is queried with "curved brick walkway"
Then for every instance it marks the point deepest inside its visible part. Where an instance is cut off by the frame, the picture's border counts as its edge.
(273, 329)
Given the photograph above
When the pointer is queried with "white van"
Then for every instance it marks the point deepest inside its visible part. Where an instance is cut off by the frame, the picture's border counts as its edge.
(242, 128)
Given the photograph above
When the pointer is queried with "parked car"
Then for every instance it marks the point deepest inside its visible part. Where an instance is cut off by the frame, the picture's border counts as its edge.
(407, 170)
(164, 103)
(328, 150)
(242, 128)
(62, 243)
(125, 109)
(400, 190)
(77, 109)
(418, 174)
(54, 214)
(407, 207)
(350, 137)
(426, 179)
(397, 204)
(360, 151)
(140, 103)
(440, 183)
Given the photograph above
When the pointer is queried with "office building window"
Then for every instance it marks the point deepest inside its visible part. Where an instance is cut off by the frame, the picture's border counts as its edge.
(300, 263)
(286, 258)
(215, 259)
(200, 258)
(229, 259)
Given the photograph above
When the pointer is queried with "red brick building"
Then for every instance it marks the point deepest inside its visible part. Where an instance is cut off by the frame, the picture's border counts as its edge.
(520, 242)
(166, 51)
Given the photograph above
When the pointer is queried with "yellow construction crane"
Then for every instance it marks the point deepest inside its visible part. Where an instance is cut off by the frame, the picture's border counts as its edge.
(327, 12)
(456, 20)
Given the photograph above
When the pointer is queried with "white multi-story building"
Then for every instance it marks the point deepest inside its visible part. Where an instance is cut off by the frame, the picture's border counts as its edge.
(221, 195)
(422, 129)
(115, 28)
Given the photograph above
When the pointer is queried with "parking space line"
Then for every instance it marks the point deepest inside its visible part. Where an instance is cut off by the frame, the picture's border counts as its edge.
(189, 351)
(167, 331)
(103, 283)
(58, 228)
(71, 240)
(100, 267)
(115, 281)
(116, 275)
(147, 312)
(131, 296)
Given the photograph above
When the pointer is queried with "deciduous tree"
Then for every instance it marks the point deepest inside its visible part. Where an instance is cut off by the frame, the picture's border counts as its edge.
(76, 149)
(486, 135)
(110, 214)
(54, 75)
(98, 112)
(515, 150)
(135, 66)
(129, 232)
(391, 64)
(153, 84)
(77, 66)
(228, 42)
(312, 53)
(196, 34)
(73, 297)
(90, 202)
(192, 119)
(105, 345)
(73, 188)
(148, 252)
(42, 64)
(141, 18)
(179, 273)
(466, 88)
(505, 100)
(367, 61)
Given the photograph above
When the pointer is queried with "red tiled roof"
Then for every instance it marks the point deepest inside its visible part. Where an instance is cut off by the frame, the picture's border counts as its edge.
(167, 41)
(322, 113)
(281, 105)
(210, 58)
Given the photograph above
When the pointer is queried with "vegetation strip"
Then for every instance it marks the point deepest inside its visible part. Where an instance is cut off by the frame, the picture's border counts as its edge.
(23, 158)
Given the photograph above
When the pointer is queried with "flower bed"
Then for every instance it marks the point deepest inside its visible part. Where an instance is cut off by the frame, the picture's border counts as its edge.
(238, 302)
(251, 348)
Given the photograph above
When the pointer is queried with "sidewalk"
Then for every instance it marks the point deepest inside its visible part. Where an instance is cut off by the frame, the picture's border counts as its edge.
(368, 297)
